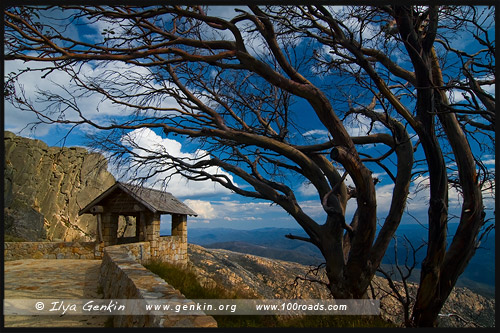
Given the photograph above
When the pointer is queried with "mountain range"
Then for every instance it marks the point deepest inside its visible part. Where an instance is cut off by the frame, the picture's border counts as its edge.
(479, 275)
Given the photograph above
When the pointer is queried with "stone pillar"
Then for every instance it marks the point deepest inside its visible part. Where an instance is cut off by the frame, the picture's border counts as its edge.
(179, 228)
(109, 229)
(99, 238)
(153, 232)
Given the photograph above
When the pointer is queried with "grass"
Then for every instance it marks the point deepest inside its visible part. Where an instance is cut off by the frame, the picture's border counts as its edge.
(186, 282)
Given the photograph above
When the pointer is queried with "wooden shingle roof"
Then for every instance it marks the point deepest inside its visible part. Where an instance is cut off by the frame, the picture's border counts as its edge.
(154, 200)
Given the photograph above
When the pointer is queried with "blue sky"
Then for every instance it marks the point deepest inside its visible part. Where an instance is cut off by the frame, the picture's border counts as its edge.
(217, 206)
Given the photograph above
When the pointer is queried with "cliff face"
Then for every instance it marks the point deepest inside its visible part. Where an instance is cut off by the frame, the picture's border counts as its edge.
(45, 187)
(270, 278)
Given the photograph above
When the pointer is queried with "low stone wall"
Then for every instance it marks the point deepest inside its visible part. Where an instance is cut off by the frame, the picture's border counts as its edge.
(139, 252)
(52, 250)
(172, 249)
(123, 277)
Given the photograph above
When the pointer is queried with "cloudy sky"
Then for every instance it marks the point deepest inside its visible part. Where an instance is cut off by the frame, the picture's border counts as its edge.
(216, 206)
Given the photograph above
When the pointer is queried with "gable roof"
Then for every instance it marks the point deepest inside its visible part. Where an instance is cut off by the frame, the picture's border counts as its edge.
(154, 200)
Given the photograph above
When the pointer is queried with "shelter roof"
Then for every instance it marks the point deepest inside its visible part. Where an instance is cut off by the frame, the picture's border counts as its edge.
(154, 200)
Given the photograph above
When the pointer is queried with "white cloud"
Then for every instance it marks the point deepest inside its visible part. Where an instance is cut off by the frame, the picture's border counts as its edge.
(119, 30)
(307, 189)
(314, 209)
(93, 106)
(384, 197)
(458, 95)
(17, 120)
(238, 214)
(238, 207)
(489, 161)
(204, 209)
(145, 142)
(419, 196)
(383, 194)
(224, 12)
(359, 125)
(355, 125)
(316, 132)
(244, 218)
(253, 40)
(239, 211)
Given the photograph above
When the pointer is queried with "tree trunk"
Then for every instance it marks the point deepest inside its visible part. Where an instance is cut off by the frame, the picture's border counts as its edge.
(430, 300)
(427, 306)
(419, 47)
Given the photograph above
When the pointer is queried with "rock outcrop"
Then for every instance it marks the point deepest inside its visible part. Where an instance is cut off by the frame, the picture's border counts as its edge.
(45, 187)
(271, 278)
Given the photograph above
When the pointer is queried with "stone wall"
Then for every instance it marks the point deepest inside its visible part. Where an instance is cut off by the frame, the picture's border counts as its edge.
(173, 249)
(140, 252)
(123, 277)
(52, 250)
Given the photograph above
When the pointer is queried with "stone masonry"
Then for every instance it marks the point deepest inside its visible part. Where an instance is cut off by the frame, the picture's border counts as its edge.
(52, 250)
(122, 276)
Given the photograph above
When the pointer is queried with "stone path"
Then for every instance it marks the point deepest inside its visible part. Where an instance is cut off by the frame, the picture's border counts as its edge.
(52, 279)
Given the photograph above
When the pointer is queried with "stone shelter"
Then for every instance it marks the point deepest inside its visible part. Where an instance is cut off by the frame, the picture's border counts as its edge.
(146, 205)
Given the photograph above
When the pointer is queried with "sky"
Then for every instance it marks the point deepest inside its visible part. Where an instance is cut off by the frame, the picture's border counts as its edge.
(216, 205)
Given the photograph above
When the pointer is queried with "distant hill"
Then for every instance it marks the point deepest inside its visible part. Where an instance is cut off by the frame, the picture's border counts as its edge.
(479, 276)
(265, 242)
(276, 279)
(294, 255)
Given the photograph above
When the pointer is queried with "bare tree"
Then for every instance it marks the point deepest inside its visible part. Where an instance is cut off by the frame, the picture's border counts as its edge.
(235, 82)
(403, 273)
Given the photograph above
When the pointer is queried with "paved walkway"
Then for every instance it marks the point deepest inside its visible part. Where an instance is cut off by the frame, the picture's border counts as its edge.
(52, 279)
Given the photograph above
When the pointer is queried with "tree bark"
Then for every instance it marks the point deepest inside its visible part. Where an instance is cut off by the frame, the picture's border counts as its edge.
(430, 299)
(419, 48)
